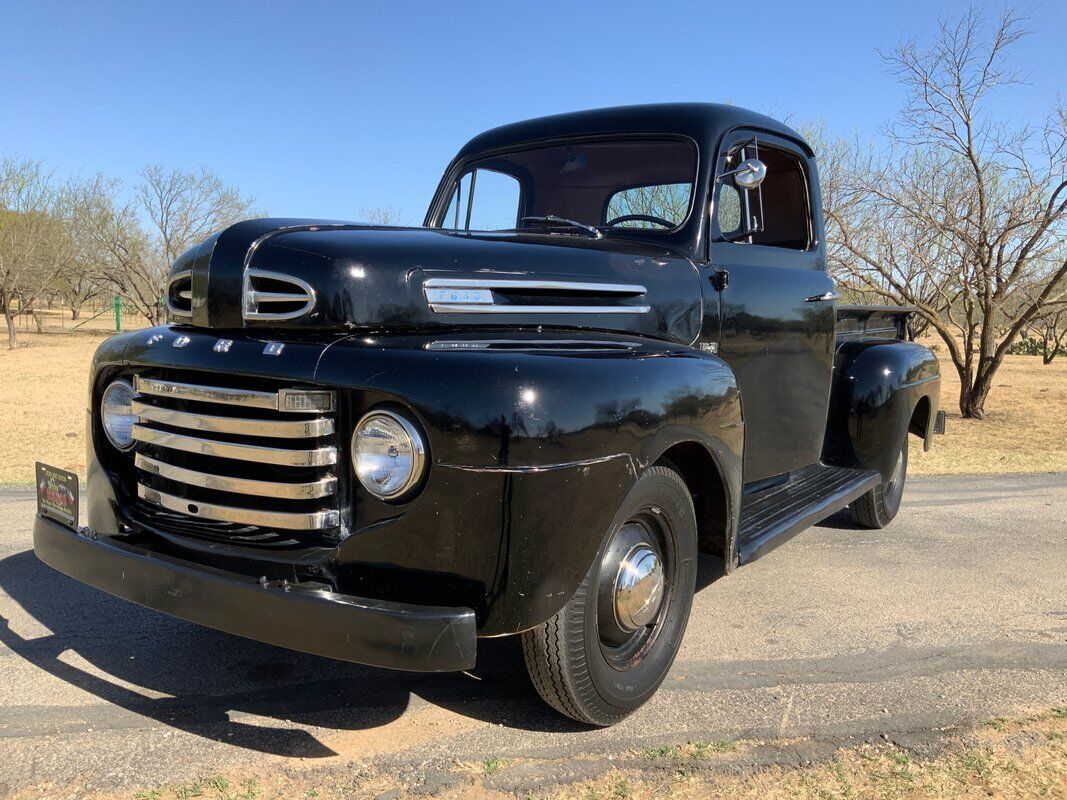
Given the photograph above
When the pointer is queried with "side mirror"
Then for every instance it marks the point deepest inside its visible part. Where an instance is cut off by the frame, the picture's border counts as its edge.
(750, 173)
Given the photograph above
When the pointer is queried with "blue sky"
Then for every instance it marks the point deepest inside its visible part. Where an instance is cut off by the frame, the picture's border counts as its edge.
(319, 109)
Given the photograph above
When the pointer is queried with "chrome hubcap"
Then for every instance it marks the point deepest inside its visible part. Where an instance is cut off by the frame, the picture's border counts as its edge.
(633, 587)
(638, 590)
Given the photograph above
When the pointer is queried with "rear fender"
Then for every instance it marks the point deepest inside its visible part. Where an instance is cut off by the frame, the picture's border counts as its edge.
(878, 388)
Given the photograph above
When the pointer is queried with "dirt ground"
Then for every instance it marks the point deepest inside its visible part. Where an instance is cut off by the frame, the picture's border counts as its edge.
(1025, 429)
(1024, 757)
(43, 389)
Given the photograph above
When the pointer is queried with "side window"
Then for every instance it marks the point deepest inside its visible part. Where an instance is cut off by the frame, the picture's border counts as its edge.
(484, 200)
(775, 214)
(650, 206)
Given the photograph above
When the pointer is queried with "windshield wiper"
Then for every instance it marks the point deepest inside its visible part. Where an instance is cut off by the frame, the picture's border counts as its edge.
(552, 219)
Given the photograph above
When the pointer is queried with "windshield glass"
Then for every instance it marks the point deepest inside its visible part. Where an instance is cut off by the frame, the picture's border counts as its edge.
(620, 184)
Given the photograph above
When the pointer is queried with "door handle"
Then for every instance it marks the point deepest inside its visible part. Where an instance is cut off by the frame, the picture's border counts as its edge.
(825, 297)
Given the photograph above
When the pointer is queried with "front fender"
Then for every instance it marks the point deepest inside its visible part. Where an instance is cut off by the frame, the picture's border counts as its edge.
(878, 386)
(533, 447)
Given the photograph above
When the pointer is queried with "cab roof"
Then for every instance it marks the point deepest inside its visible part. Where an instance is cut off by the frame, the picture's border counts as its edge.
(705, 123)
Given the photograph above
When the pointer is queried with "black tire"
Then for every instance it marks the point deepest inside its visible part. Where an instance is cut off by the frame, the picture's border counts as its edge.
(877, 507)
(600, 682)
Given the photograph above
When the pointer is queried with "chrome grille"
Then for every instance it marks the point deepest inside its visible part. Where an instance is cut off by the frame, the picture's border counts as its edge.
(274, 296)
(249, 457)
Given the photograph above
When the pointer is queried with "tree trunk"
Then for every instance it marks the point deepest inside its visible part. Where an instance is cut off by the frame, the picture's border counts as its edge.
(12, 334)
(1050, 351)
(36, 320)
(156, 315)
(75, 311)
(973, 397)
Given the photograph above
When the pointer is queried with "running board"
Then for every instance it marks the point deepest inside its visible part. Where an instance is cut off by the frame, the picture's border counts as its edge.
(775, 515)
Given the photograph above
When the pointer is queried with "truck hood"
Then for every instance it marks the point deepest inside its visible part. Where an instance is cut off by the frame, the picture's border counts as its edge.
(286, 274)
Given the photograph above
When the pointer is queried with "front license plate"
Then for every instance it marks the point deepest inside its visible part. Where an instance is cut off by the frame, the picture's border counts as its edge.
(57, 495)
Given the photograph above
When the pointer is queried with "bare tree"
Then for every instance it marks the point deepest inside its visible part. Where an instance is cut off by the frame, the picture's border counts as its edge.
(30, 237)
(76, 287)
(1053, 333)
(668, 201)
(120, 251)
(180, 208)
(76, 283)
(381, 215)
(183, 208)
(965, 218)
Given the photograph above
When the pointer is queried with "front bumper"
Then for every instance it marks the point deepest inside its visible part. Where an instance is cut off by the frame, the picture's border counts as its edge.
(311, 620)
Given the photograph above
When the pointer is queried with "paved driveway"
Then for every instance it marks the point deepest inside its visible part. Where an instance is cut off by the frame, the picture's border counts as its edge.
(956, 613)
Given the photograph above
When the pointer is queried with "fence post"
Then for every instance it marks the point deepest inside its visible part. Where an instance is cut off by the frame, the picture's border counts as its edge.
(118, 314)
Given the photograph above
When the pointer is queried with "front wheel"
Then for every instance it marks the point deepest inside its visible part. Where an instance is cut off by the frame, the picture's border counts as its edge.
(609, 648)
(877, 508)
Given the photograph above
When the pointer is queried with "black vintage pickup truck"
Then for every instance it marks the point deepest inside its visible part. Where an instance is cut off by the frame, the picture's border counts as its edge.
(612, 345)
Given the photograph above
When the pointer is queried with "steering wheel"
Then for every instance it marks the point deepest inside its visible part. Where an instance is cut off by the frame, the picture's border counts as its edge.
(639, 218)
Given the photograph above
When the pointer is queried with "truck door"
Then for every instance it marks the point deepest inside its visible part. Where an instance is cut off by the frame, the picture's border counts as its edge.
(777, 305)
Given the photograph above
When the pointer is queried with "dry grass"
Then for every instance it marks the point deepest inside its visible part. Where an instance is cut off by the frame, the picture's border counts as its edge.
(1025, 429)
(1006, 759)
(1022, 758)
(43, 386)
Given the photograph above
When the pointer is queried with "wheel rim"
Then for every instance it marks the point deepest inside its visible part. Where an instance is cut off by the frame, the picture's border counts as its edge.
(634, 588)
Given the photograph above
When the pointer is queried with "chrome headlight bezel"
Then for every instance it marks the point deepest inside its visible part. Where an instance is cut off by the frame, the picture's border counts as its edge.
(120, 384)
(417, 447)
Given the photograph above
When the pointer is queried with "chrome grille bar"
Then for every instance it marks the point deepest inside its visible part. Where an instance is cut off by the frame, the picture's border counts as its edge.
(318, 457)
(206, 394)
(279, 429)
(323, 487)
(315, 520)
(292, 400)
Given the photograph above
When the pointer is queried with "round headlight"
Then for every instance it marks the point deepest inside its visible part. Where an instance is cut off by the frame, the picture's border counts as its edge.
(388, 454)
(116, 414)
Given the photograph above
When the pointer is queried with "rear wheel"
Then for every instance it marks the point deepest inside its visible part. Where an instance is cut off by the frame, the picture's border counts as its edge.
(609, 648)
(877, 508)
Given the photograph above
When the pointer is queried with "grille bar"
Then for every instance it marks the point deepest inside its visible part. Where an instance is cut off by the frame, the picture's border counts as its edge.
(206, 394)
(314, 520)
(292, 400)
(323, 487)
(278, 429)
(319, 457)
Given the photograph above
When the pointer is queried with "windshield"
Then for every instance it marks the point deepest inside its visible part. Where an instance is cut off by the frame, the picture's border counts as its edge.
(577, 187)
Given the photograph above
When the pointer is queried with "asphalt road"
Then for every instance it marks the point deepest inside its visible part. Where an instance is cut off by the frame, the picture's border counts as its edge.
(955, 613)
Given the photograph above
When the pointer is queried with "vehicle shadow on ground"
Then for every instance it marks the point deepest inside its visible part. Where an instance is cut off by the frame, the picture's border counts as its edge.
(228, 689)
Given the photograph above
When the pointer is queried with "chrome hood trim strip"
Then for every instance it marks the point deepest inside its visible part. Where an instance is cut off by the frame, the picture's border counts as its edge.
(475, 296)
